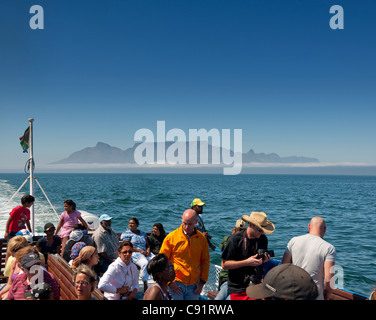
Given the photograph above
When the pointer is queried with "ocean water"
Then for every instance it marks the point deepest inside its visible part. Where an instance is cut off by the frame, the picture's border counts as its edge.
(347, 203)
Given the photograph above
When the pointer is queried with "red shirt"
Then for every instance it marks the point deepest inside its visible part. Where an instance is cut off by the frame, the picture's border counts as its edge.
(19, 217)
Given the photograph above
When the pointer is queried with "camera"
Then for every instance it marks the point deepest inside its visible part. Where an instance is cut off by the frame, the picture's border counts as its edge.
(261, 253)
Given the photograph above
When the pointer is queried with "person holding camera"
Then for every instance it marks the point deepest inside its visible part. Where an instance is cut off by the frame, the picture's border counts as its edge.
(245, 254)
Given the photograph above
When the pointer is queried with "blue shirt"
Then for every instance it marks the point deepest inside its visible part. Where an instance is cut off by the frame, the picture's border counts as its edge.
(138, 240)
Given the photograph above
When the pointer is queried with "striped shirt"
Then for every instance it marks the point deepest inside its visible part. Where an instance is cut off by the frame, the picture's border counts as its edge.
(20, 286)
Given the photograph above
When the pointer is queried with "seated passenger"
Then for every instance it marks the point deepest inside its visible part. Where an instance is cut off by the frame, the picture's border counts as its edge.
(141, 249)
(49, 243)
(30, 262)
(85, 282)
(156, 238)
(120, 281)
(163, 273)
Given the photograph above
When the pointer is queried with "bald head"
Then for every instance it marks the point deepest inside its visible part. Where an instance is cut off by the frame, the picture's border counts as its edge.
(317, 227)
(189, 214)
(189, 220)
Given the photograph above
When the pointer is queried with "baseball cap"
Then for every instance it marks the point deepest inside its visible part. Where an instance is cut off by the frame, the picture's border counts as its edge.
(104, 217)
(76, 235)
(240, 224)
(26, 234)
(30, 259)
(285, 281)
(48, 226)
(40, 291)
(197, 202)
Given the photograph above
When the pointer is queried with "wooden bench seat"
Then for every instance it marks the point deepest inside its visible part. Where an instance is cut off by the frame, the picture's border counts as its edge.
(3, 251)
(338, 294)
(64, 276)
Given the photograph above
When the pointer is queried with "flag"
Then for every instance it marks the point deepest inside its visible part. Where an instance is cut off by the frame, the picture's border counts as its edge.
(24, 140)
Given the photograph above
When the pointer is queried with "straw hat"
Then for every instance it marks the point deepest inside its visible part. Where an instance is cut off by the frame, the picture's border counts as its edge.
(260, 221)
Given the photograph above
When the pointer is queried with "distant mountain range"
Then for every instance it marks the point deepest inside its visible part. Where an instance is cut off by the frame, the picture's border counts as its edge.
(104, 153)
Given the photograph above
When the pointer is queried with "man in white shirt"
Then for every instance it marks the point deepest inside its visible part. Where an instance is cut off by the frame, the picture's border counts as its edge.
(315, 255)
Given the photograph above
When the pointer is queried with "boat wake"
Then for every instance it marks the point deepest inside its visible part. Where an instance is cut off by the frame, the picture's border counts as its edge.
(43, 211)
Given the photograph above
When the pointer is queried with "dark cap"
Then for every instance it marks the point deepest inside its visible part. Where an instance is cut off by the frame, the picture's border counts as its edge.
(40, 291)
(30, 259)
(285, 281)
(48, 226)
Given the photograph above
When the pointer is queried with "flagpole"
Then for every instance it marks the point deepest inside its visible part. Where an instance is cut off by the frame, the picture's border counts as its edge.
(31, 164)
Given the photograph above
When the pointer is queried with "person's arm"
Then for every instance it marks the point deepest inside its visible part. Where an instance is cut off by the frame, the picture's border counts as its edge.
(204, 262)
(153, 293)
(204, 267)
(5, 290)
(85, 224)
(147, 252)
(328, 275)
(166, 248)
(132, 294)
(287, 258)
(104, 282)
(59, 226)
(199, 287)
(58, 245)
(249, 262)
(174, 287)
(6, 234)
(38, 245)
(28, 226)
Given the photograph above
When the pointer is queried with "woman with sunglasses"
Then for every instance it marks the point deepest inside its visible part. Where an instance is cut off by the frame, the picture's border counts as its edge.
(120, 281)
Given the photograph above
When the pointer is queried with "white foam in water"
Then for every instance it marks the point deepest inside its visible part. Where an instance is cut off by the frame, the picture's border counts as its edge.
(43, 212)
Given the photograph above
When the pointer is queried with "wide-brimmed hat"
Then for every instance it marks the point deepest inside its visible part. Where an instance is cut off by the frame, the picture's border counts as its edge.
(259, 220)
(285, 281)
(197, 202)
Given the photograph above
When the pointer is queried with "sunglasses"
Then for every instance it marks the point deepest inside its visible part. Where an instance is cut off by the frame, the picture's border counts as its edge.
(257, 228)
(125, 252)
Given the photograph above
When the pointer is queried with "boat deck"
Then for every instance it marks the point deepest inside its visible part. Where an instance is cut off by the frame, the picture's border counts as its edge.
(63, 274)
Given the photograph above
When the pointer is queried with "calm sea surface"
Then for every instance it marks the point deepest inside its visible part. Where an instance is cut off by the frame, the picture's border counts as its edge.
(347, 203)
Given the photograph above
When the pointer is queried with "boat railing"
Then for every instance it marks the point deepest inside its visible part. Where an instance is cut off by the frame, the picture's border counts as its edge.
(213, 280)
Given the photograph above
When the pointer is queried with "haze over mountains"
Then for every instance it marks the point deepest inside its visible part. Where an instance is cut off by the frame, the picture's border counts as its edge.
(104, 153)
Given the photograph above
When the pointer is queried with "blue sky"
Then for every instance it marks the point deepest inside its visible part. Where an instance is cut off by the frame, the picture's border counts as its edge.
(101, 70)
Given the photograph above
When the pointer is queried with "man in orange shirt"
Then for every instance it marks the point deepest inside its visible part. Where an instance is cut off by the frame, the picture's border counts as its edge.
(187, 249)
